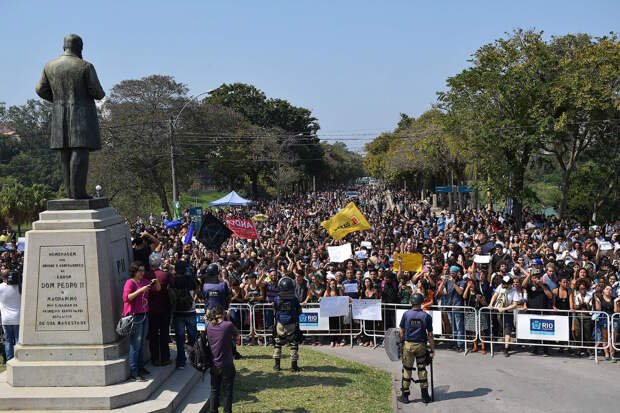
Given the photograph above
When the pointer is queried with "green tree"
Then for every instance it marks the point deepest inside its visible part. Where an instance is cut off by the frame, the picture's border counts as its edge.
(594, 195)
(135, 138)
(491, 108)
(20, 205)
(25, 155)
(290, 125)
(581, 82)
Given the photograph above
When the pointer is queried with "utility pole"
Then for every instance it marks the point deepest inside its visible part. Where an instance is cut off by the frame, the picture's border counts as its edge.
(313, 183)
(175, 192)
(278, 183)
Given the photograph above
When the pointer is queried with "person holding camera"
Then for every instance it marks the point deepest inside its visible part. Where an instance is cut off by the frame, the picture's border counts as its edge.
(142, 247)
(451, 290)
(135, 299)
(10, 304)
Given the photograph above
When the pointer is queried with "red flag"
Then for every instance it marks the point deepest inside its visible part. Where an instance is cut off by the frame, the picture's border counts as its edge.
(242, 228)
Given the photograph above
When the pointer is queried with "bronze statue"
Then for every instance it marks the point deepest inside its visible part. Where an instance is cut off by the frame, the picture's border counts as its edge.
(71, 84)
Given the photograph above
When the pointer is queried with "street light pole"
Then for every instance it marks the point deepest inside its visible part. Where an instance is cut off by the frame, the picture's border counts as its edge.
(173, 123)
(175, 193)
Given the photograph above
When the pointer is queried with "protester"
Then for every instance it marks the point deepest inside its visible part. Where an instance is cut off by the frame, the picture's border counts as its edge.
(183, 290)
(159, 313)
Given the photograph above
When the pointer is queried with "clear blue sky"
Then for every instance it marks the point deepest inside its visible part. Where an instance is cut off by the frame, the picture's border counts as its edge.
(355, 64)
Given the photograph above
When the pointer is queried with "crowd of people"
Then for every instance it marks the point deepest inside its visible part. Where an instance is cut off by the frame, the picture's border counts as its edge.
(542, 264)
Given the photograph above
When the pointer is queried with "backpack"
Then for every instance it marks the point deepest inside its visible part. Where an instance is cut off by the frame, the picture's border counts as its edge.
(180, 298)
(199, 355)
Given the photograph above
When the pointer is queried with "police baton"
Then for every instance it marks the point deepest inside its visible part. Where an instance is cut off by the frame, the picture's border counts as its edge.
(432, 384)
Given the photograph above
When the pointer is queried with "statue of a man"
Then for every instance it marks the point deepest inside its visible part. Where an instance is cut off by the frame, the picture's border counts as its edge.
(71, 84)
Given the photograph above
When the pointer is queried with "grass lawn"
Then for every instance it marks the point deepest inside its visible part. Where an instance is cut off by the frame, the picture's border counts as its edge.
(326, 384)
(203, 199)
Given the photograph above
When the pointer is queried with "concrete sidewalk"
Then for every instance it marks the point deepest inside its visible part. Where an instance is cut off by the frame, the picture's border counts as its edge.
(521, 382)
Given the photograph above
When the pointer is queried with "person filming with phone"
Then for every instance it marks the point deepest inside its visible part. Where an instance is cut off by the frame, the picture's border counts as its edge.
(135, 302)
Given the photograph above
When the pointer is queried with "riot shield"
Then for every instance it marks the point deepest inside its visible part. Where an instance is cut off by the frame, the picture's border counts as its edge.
(392, 344)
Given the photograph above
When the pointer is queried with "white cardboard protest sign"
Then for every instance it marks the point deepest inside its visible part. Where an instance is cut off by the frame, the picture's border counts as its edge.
(310, 319)
(350, 288)
(366, 244)
(435, 314)
(361, 255)
(334, 306)
(542, 327)
(482, 259)
(366, 309)
(340, 253)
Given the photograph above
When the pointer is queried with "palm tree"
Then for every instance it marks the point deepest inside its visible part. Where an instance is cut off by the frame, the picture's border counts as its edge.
(20, 205)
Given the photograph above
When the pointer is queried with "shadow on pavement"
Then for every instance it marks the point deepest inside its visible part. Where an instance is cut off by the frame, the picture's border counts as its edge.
(441, 393)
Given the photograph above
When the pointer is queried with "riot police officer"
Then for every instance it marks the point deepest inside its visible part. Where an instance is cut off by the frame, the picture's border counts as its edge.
(415, 327)
(286, 323)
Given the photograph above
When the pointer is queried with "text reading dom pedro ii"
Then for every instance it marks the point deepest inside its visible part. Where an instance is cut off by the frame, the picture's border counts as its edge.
(62, 303)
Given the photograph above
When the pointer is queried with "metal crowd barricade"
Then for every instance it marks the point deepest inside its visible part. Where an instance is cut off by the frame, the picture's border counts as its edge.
(455, 323)
(571, 329)
(241, 317)
(311, 324)
(615, 331)
(460, 322)
(390, 318)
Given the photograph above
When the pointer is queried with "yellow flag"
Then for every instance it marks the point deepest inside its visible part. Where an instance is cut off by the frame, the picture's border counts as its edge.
(350, 219)
(411, 262)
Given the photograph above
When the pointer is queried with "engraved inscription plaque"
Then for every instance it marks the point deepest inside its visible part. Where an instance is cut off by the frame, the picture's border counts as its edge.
(62, 302)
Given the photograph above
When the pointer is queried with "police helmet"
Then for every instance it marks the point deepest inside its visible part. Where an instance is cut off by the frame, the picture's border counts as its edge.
(155, 259)
(286, 284)
(213, 270)
(417, 299)
(287, 288)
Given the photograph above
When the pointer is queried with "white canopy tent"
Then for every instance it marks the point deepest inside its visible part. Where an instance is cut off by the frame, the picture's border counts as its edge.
(232, 199)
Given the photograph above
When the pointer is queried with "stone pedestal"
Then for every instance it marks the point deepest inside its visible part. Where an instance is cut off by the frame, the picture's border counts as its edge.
(75, 265)
(69, 357)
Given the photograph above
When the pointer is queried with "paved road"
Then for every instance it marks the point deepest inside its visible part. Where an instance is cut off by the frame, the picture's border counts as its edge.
(520, 383)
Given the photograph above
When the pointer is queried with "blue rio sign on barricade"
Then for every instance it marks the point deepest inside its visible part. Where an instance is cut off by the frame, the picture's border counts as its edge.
(545, 328)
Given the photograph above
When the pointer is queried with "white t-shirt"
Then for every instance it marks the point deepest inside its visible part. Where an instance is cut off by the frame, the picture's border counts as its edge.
(517, 297)
(504, 297)
(10, 303)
